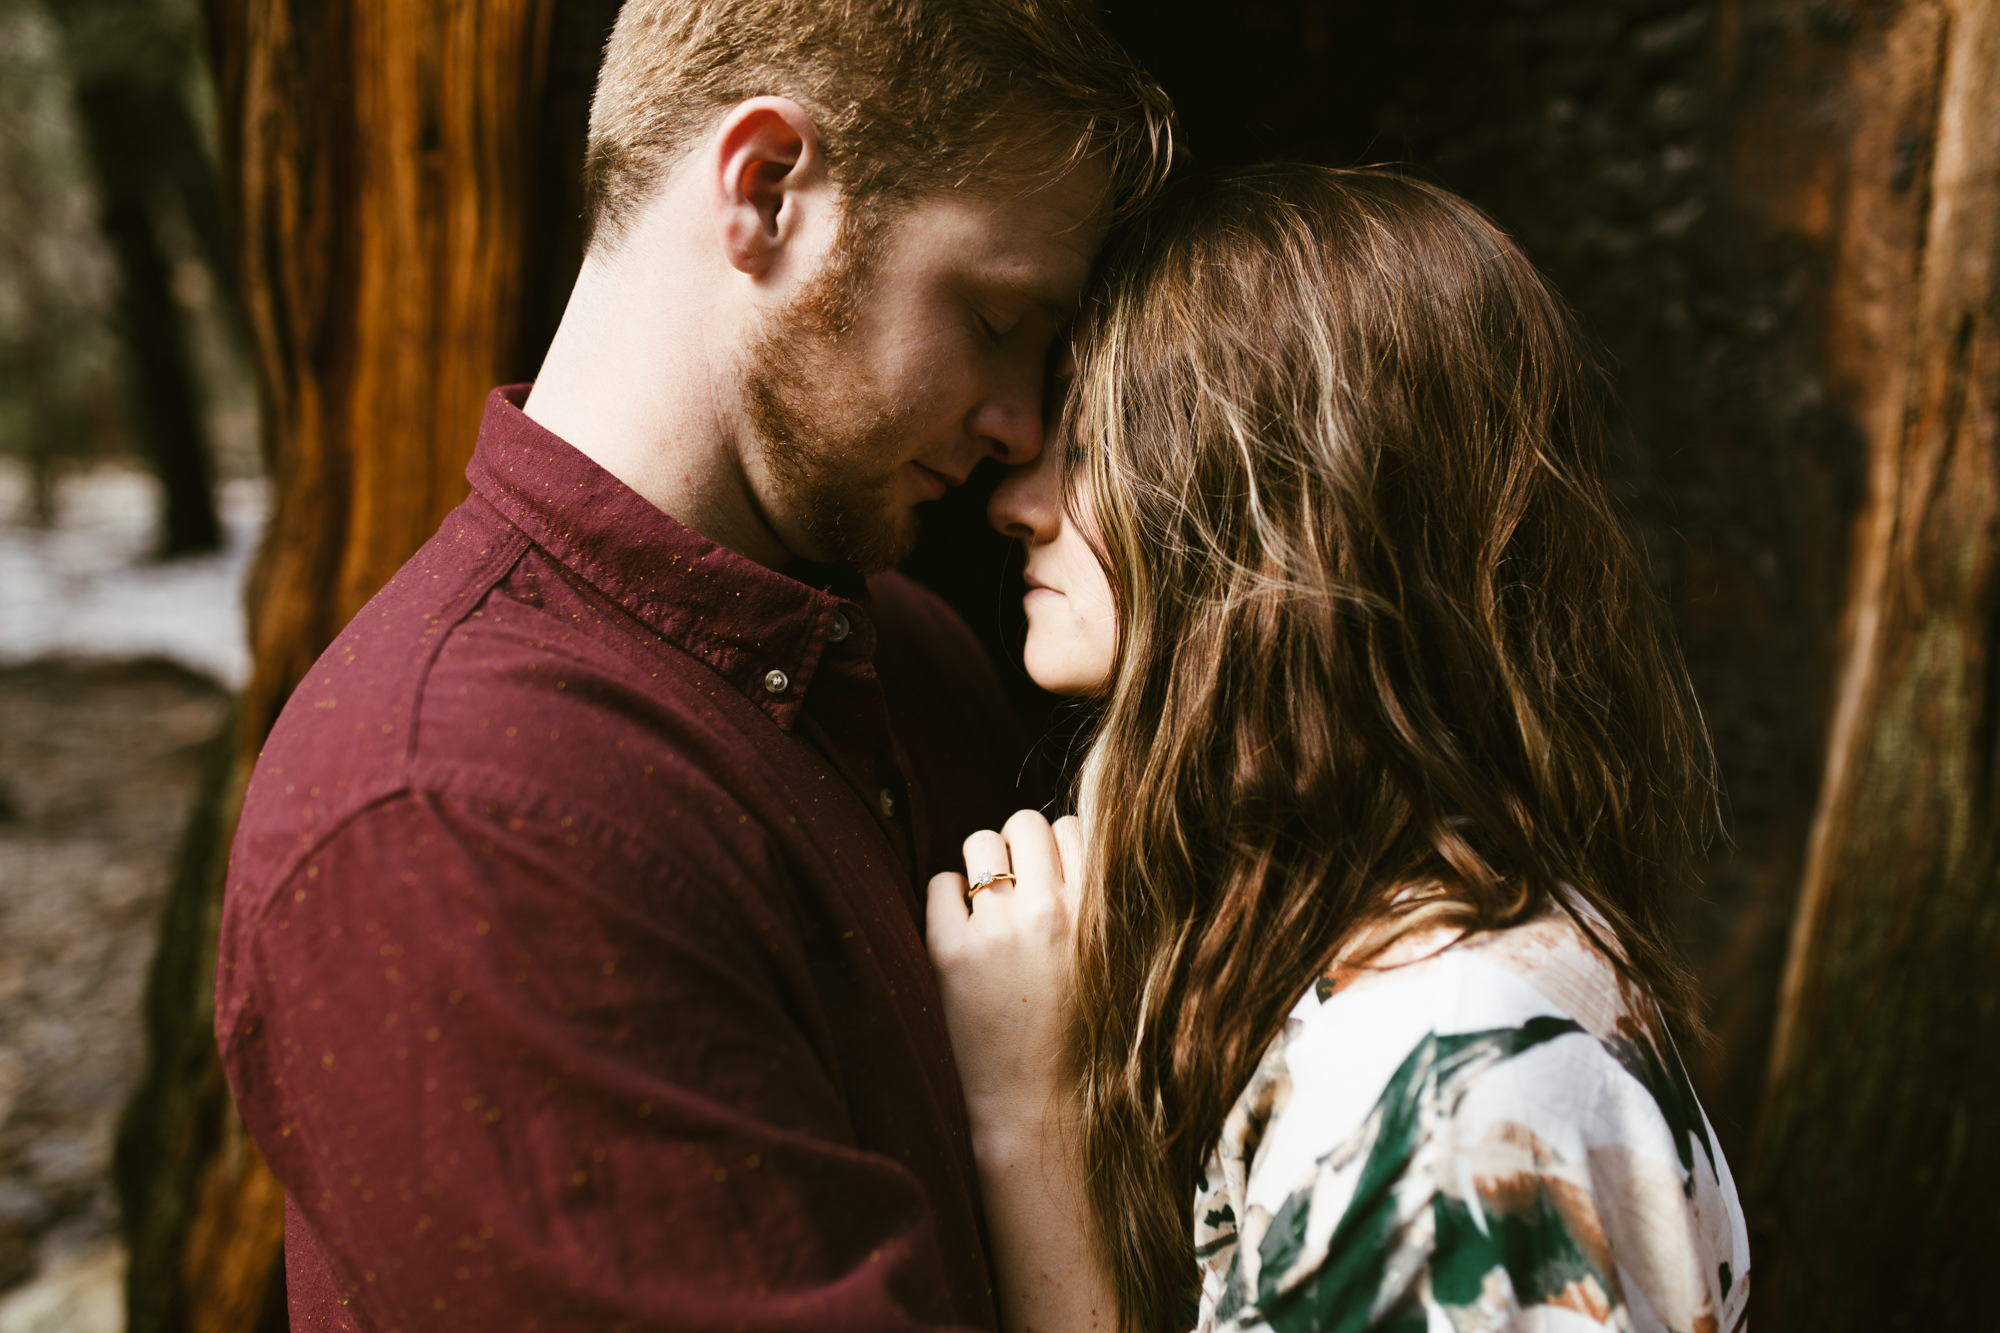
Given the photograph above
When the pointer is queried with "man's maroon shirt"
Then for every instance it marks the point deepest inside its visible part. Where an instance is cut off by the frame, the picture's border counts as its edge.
(572, 973)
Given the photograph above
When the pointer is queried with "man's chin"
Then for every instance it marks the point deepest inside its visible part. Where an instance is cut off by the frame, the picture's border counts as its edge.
(897, 538)
(867, 547)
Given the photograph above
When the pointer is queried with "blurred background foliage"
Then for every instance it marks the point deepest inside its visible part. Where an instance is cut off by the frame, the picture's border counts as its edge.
(117, 338)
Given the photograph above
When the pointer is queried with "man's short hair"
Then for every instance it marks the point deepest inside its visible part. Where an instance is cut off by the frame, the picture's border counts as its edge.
(909, 96)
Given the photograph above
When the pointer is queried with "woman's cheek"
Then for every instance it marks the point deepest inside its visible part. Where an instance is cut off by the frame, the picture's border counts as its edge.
(1050, 652)
(1095, 634)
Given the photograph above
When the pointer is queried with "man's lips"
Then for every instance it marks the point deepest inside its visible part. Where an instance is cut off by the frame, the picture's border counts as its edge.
(935, 481)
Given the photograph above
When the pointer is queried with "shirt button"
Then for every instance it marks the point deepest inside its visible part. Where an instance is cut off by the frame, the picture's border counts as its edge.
(841, 629)
(888, 799)
(776, 681)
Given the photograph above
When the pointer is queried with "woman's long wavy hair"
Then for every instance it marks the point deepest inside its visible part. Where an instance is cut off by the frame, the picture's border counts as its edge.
(1382, 641)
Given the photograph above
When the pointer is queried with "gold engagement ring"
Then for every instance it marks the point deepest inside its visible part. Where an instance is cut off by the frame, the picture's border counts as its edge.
(987, 879)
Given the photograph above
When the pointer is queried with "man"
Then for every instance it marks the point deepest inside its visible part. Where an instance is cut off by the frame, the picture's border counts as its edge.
(571, 974)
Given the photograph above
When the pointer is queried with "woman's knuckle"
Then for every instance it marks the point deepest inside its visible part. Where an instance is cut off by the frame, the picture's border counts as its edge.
(1025, 821)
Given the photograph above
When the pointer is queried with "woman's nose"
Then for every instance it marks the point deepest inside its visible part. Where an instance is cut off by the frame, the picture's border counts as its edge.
(1025, 505)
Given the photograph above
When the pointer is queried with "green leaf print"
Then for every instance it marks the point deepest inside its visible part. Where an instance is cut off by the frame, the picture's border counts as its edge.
(1535, 1247)
(1663, 1075)
(1224, 1221)
(1346, 1288)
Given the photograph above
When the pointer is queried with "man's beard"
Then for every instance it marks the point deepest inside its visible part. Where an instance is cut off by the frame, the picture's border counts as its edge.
(833, 441)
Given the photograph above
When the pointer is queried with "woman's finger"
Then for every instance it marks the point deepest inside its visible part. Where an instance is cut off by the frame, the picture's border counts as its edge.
(986, 853)
(1068, 833)
(1033, 849)
(945, 911)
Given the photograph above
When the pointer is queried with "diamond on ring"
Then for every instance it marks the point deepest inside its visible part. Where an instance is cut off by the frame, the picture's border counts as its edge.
(988, 878)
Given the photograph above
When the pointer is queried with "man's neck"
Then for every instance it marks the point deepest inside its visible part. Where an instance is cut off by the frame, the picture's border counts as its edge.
(638, 392)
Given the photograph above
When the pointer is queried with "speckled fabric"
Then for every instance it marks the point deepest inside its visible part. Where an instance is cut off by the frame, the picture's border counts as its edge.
(571, 972)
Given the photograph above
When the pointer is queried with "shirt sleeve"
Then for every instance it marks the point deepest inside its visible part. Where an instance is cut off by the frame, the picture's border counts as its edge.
(515, 1074)
(1501, 1176)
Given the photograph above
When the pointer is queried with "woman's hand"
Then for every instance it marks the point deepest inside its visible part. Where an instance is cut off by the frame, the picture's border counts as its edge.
(1003, 965)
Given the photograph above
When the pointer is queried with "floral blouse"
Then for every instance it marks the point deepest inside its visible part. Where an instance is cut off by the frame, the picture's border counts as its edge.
(1472, 1135)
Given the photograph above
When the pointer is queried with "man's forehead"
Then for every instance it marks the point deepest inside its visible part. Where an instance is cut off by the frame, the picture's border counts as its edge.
(1018, 236)
(1075, 199)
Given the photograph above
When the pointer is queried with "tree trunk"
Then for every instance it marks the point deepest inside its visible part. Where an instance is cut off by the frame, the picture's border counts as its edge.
(403, 189)
(1877, 1156)
(141, 142)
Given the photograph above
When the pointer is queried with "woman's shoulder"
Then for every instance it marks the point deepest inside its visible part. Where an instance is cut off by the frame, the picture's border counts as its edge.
(1475, 1125)
(1546, 964)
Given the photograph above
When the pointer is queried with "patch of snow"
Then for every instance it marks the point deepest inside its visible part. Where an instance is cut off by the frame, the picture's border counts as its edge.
(77, 1292)
(89, 586)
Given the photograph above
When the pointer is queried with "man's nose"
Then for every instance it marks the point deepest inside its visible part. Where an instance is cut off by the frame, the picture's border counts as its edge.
(1008, 421)
(1023, 505)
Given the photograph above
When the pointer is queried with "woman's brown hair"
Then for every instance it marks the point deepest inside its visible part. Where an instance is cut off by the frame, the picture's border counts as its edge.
(1382, 639)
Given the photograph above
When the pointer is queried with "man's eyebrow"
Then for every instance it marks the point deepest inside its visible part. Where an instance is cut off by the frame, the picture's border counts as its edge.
(1059, 305)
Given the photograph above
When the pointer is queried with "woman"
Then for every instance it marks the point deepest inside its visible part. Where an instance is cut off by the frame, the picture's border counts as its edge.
(1346, 1003)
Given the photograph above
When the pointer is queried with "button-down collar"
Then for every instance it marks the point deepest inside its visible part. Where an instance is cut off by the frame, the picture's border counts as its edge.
(764, 631)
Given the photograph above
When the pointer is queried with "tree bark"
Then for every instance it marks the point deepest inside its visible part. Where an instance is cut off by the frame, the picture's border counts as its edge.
(383, 161)
(402, 185)
(1877, 1158)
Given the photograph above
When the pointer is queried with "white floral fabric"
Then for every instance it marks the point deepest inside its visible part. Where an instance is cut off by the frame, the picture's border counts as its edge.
(1480, 1135)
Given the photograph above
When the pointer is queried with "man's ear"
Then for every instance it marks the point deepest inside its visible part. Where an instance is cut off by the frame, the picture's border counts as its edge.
(767, 156)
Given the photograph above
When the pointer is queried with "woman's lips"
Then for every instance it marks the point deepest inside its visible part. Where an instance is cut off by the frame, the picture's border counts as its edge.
(1038, 588)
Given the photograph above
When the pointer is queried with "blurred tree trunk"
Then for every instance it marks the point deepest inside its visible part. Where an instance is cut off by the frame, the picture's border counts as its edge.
(403, 185)
(1877, 1158)
(37, 377)
(130, 64)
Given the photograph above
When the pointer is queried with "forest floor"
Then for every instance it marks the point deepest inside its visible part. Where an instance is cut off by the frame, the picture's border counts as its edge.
(109, 693)
(99, 763)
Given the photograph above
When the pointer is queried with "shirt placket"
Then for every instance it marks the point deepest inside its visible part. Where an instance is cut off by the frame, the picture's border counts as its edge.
(846, 718)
